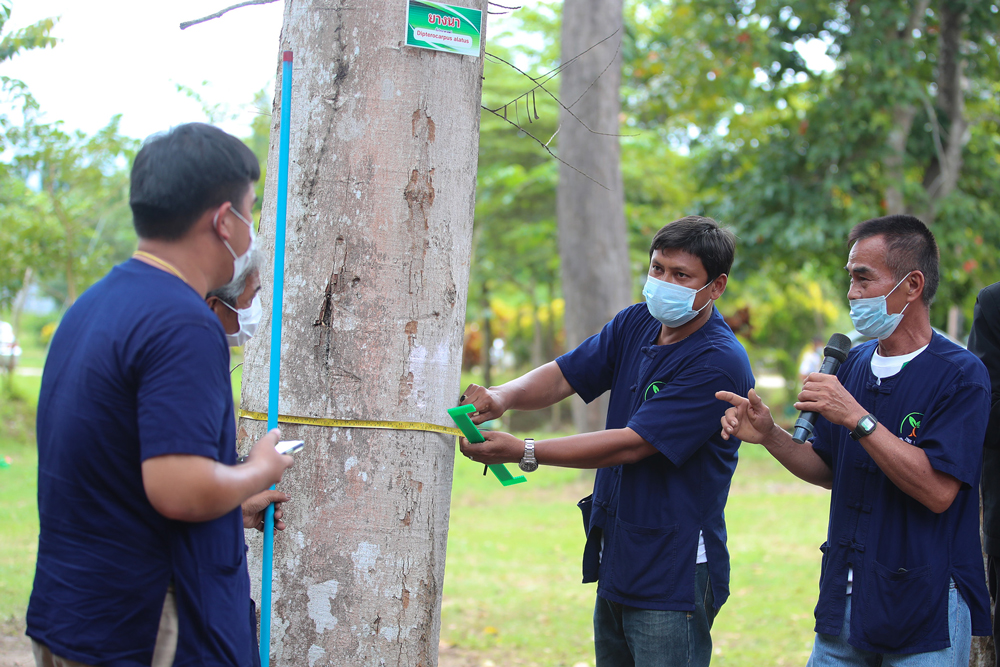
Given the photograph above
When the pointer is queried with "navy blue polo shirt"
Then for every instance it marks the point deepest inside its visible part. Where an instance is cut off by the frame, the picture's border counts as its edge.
(650, 512)
(138, 368)
(903, 554)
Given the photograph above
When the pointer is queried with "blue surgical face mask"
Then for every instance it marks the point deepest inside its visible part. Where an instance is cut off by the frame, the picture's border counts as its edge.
(871, 316)
(671, 304)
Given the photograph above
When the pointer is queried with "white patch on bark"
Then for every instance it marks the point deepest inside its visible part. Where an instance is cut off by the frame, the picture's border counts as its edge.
(320, 596)
(364, 560)
(315, 653)
(350, 463)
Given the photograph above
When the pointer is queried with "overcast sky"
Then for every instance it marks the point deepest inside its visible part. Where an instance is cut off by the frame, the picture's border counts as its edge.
(128, 56)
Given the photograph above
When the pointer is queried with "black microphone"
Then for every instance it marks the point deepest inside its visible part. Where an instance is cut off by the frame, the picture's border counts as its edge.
(834, 354)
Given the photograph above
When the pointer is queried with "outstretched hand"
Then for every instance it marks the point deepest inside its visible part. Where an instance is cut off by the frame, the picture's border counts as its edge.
(487, 402)
(498, 447)
(749, 419)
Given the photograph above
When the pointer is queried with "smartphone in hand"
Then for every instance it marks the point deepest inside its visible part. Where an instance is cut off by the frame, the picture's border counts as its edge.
(289, 446)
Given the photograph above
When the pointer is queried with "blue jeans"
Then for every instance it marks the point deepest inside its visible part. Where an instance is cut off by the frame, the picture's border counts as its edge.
(631, 637)
(834, 651)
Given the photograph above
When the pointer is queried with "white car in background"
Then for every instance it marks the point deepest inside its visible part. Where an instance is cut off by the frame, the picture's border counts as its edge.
(9, 349)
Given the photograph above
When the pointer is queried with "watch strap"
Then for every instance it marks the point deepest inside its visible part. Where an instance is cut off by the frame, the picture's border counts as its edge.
(860, 431)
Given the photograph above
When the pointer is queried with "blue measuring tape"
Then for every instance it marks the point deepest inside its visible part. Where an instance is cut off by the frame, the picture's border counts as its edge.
(267, 563)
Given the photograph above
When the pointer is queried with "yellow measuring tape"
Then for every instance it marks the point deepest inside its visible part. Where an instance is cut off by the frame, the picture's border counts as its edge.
(353, 423)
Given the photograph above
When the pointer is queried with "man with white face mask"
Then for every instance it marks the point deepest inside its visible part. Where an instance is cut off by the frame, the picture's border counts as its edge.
(237, 304)
(141, 556)
(656, 534)
(899, 440)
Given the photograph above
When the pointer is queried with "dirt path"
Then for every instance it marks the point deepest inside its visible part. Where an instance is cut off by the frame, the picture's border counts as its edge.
(15, 648)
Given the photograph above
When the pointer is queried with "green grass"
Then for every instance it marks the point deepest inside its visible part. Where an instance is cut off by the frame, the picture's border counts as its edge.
(18, 514)
(512, 590)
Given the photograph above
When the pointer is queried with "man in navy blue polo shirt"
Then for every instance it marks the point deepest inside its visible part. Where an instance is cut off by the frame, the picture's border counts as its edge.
(138, 493)
(656, 535)
(899, 440)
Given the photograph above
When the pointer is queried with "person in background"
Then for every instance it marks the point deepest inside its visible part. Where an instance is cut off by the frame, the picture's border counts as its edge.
(899, 441)
(237, 304)
(141, 557)
(656, 530)
(811, 360)
(984, 342)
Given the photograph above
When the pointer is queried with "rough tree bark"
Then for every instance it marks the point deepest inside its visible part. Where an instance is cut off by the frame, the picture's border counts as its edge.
(902, 120)
(593, 244)
(384, 145)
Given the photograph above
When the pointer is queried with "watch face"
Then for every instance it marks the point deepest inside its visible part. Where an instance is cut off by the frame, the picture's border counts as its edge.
(867, 423)
(528, 466)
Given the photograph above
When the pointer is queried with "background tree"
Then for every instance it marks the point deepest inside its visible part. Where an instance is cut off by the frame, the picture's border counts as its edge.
(794, 154)
(593, 243)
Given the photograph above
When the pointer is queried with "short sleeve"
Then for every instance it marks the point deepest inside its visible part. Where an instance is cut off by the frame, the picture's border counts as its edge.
(184, 393)
(590, 368)
(952, 432)
(684, 414)
(822, 440)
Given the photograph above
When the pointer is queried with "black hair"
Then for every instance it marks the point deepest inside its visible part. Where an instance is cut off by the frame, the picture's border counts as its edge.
(909, 246)
(178, 175)
(701, 237)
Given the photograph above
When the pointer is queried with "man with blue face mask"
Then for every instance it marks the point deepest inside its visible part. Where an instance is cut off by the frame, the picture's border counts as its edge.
(656, 534)
(899, 441)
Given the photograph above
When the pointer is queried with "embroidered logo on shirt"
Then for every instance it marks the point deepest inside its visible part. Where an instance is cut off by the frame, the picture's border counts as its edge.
(908, 427)
(653, 389)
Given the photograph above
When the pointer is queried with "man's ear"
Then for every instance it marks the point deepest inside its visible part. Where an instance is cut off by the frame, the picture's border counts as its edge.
(215, 303)
(222, 223)
(719, 285)
(915, 283)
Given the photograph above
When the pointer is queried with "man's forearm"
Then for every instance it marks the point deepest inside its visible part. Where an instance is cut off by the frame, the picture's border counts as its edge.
(537, 389)
(600, 449)
(196, 488)
(908, 467)
(799, 459)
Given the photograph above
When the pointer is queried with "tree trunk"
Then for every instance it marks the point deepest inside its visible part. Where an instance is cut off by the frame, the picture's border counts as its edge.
(382, 172)
(593, 247)
(902, 122)
(18, 306)
(487, 338)
(942, 177)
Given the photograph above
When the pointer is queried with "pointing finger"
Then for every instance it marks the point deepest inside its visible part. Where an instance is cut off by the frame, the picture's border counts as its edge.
(730, 397)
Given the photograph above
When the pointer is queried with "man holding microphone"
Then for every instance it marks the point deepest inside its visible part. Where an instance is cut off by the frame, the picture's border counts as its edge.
(899, 441)
(656, 536)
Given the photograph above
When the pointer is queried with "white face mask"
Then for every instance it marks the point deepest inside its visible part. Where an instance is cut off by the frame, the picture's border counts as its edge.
(241, 262)
(249, 318)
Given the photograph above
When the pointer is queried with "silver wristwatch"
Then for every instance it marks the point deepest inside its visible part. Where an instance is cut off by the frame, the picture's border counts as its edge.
(528, 462)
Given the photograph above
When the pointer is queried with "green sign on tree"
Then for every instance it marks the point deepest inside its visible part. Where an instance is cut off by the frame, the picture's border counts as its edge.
(432, 25)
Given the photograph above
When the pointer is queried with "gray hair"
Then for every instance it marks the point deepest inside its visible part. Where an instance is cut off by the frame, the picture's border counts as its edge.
(232, 290)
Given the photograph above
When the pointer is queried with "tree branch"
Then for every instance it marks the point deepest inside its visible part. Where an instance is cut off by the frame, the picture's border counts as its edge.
(245, 3)
(551, 74)
(544, 146)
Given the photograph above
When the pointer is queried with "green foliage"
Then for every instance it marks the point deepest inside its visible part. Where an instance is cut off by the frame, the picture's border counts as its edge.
(787, 313)
(793, 155)
(35, 36)
(74, 224)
